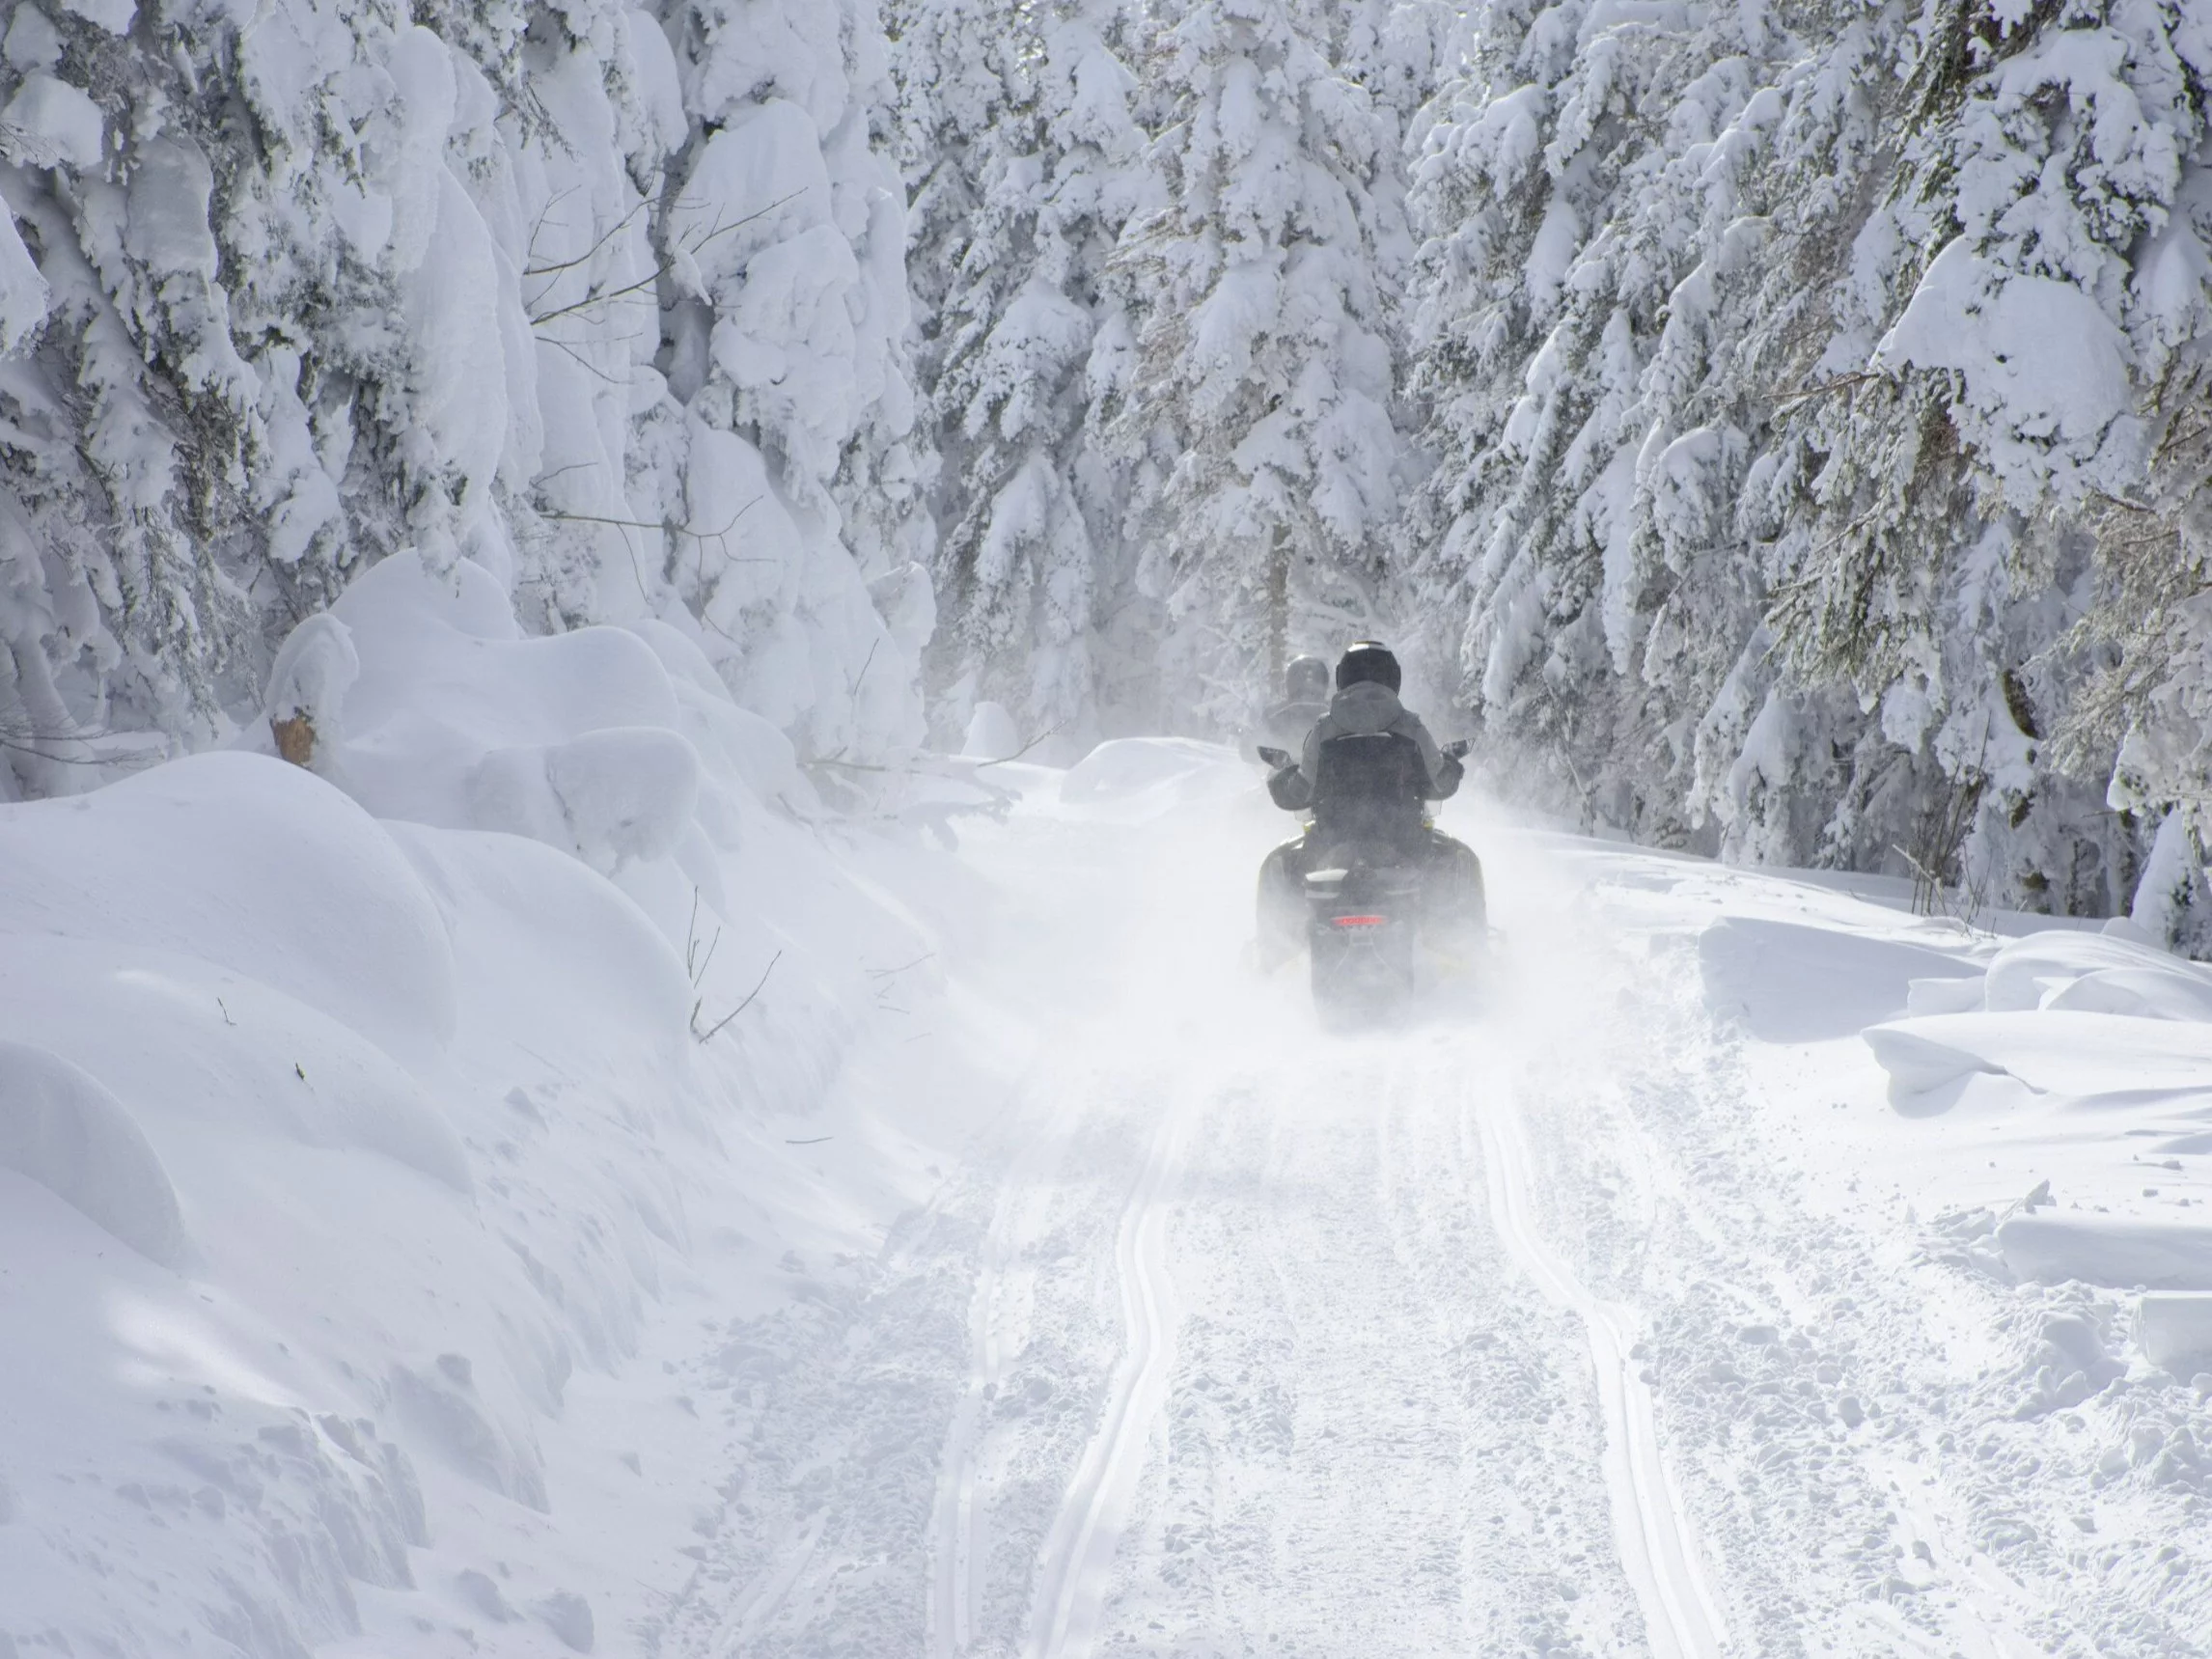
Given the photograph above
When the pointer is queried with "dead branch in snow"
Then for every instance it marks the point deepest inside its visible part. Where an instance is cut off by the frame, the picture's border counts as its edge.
(714, 1030)
(662, 267)
(1051, 730)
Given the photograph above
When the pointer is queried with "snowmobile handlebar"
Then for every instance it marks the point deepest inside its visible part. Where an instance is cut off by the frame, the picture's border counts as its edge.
(1278, 759)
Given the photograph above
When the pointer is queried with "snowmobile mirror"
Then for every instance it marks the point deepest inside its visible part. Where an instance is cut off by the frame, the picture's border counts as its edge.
(1276, 759)
(1457, 749)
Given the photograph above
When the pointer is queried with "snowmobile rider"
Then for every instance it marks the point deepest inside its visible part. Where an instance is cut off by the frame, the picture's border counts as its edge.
(1304, 700)
(1368, 770)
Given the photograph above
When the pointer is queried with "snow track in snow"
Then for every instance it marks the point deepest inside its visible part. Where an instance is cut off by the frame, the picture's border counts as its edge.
(1658, 1548)
(1079, 1552)
(957, 1529)
(1516, 1335)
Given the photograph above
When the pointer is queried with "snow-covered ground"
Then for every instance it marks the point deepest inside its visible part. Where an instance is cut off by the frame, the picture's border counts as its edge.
(385, 1268)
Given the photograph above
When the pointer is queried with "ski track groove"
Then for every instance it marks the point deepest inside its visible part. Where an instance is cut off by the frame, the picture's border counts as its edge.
(1652, 1530)
(1077, 1560)
(959, 1525)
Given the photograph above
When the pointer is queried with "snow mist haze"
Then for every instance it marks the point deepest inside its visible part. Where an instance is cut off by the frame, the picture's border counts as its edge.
(630, 642)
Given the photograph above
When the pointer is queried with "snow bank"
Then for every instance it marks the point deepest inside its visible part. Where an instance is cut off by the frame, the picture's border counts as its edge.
(991, 734)
(2102, 1038)
(352, 1111)
(61, 1128)
(1787, 983)
(2098, 1250)
(2075, 1015)
(2054, 1052)
(2176, 1332)
(246, 865)
(1137, 770)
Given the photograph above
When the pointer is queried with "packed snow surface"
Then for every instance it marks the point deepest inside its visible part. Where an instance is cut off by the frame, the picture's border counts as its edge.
(1758, 1269)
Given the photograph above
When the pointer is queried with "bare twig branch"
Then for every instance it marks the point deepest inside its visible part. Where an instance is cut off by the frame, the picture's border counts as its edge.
(572, 466)
(664, 527)
(707, 961)
(562, 346)
(1051, 730)
(79, 759)
(693, 964)
(712, 1032)
(850, 765)
(1842, 382)
(612, 231)
(903, 967)
(598, 297)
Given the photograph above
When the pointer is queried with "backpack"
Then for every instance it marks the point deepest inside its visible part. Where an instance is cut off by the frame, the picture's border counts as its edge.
(1371, 785)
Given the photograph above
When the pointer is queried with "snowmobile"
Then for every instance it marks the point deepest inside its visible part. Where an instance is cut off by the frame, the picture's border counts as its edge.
(1393, 920)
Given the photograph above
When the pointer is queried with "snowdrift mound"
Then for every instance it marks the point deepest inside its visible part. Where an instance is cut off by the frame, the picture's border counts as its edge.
(2082, 1036)
(244, 864)
(2080, 1015)
(350, 1109)
(1154, 774)
(453, 719)
(2176, 1332)
(160, 1029)
(2101, 1250)
(1787, 983)
(2104, 973)
(612, 797)
(619, 746)
(61, 1128)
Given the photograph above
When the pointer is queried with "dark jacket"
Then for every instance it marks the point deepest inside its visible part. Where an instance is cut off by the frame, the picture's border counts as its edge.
(1364, 709)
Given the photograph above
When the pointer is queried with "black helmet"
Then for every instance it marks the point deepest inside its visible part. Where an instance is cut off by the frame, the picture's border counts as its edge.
(1306, 680)
(1368, 661)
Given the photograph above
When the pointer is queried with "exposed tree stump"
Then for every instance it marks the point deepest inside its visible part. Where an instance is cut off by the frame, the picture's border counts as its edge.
(294, 737)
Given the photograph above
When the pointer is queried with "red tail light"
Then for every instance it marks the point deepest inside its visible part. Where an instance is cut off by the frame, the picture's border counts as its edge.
(1361, 921)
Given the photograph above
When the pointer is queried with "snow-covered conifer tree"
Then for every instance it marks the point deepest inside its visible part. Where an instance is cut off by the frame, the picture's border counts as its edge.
(285, 289)
(1026, 161)
(1252, 404)
(270, 316)
(787, 460)
(1771, 372)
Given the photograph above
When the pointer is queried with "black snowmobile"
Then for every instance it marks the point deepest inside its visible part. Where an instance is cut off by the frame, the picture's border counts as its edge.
(1392, 910)
(1386, 905)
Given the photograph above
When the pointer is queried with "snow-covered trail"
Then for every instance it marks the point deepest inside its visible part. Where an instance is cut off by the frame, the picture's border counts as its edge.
(1316, 1405)
(1511, 1334)
(1657, 1543)
(1249, 1353)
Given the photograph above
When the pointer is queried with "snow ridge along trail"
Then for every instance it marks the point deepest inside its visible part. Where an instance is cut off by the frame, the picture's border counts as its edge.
(1658, 1548)
(1079, 1552)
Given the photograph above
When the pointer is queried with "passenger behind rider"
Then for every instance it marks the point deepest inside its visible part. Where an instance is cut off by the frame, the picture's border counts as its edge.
(1365, 703)
(1389, 803)
(1305, 700)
